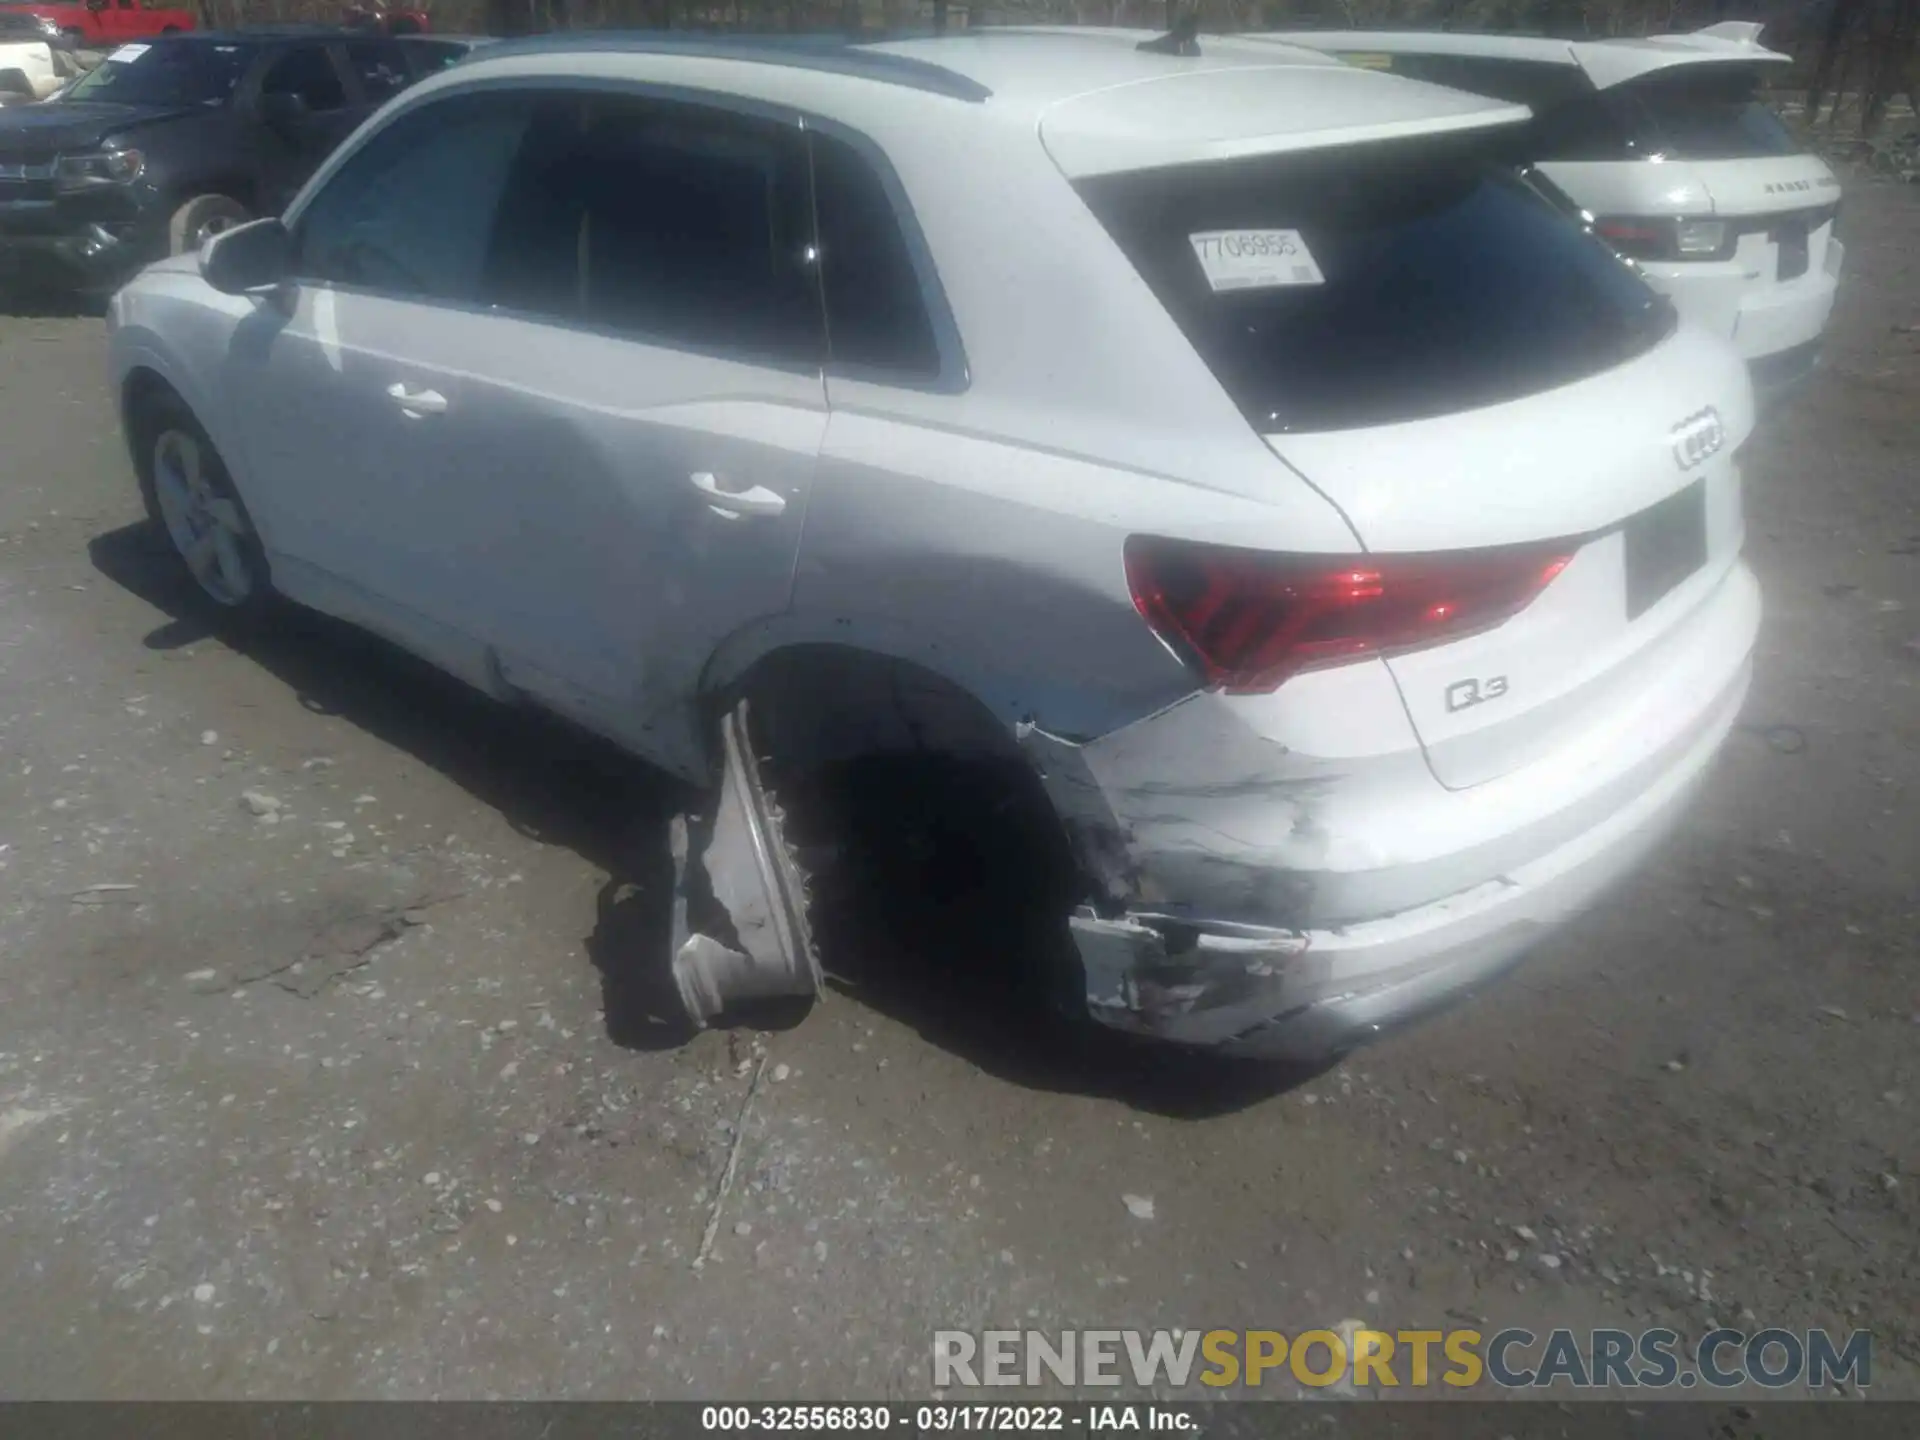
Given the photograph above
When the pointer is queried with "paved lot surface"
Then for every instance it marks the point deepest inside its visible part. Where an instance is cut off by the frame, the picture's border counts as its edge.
(364, 1101)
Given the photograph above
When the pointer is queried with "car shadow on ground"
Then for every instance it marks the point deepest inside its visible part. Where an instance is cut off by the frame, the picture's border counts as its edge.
(32, 302)
(922, 910)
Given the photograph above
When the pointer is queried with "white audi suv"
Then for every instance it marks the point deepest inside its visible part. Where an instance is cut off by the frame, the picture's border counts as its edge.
(1342, 546)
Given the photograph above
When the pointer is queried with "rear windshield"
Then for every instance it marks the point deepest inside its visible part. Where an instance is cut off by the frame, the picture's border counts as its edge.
(165, 72)
(1410, 282)
(1703, 112)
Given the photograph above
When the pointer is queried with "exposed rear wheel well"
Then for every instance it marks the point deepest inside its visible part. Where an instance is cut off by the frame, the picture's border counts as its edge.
(930, 792)
(824, 704)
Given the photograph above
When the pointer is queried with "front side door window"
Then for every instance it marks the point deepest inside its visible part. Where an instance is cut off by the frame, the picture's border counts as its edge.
(412, 213)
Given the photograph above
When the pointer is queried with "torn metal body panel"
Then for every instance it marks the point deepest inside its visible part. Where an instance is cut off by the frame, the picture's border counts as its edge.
(736, 877)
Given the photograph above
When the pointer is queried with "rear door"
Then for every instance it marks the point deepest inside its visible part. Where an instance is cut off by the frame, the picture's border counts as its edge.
(633, 469)
(1477, 385)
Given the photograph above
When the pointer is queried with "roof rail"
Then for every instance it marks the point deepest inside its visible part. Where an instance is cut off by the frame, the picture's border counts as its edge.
(832, 54)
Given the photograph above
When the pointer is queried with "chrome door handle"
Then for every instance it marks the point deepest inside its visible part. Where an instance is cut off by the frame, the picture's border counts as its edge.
(417, 402)
(757, 501)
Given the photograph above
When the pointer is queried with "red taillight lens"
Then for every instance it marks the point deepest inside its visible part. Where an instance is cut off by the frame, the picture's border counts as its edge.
(1248, 619)
(1637, 239)
(1668, 238)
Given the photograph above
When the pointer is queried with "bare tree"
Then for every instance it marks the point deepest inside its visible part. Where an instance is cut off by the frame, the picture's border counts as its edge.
(1840, 19)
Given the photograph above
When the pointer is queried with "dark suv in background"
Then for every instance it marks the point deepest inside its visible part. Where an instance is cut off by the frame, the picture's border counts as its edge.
(175, 139)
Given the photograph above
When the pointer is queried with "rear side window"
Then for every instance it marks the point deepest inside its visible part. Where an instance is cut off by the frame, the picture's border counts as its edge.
(1432, 281)
(308, 72)
(667, 222)
(1704, 112)
(876, 308)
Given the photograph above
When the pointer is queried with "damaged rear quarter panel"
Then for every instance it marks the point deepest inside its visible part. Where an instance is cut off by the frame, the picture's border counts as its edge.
(1000, 565)
(1241, 810)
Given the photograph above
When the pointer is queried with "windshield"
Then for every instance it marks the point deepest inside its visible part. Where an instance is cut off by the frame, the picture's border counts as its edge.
(1352, 288)
(181, 72)
(1701, 112)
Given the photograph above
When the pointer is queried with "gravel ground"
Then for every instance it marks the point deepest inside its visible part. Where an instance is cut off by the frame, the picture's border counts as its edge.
(352, 1098)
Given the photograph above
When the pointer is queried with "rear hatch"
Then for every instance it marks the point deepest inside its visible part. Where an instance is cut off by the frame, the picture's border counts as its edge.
(1520, 437)
(1747, 188)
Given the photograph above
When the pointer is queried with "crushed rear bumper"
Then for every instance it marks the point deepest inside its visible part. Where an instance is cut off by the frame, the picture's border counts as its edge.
(1309, 991)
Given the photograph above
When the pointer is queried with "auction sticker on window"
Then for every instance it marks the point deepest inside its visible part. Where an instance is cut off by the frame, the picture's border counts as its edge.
(127, 54)
(1255, 259)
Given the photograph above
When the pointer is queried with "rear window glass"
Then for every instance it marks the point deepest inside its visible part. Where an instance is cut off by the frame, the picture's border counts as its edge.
(1444, 283)
(876, 310)
(1698, 112)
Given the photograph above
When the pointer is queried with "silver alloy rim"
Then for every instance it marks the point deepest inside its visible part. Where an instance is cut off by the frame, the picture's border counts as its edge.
(204, 525)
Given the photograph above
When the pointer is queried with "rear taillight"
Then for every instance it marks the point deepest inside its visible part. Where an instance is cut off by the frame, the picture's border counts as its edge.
(1248, 619)
(1665, 237)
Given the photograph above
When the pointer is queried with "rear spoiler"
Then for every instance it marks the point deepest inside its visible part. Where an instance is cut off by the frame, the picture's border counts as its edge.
(1605, 62)
(1615, 62)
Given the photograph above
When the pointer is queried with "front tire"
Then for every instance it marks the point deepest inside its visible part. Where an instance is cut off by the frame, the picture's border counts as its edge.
(191, 499)
(200, 219)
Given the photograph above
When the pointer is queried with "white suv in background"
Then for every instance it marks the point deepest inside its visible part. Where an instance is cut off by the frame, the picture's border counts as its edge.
(1666, 142)
(1339, 547)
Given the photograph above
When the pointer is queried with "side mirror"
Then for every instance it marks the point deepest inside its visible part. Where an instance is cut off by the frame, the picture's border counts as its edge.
(248, 258)
(283, 111)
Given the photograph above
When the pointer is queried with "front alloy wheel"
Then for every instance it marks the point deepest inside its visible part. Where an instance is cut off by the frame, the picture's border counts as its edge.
(206, 527)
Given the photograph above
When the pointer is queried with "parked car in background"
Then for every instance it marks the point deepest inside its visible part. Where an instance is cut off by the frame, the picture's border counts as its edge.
(1668, 143)
(22, 27)
(170, 141)
(99, 23)
(1342, 547)
(33, 63)
(435, 52)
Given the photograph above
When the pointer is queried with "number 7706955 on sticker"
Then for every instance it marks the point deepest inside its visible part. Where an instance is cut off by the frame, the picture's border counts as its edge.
(1255, 259)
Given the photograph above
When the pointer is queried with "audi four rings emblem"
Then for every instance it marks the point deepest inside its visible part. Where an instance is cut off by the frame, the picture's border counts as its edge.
(1697, 437)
